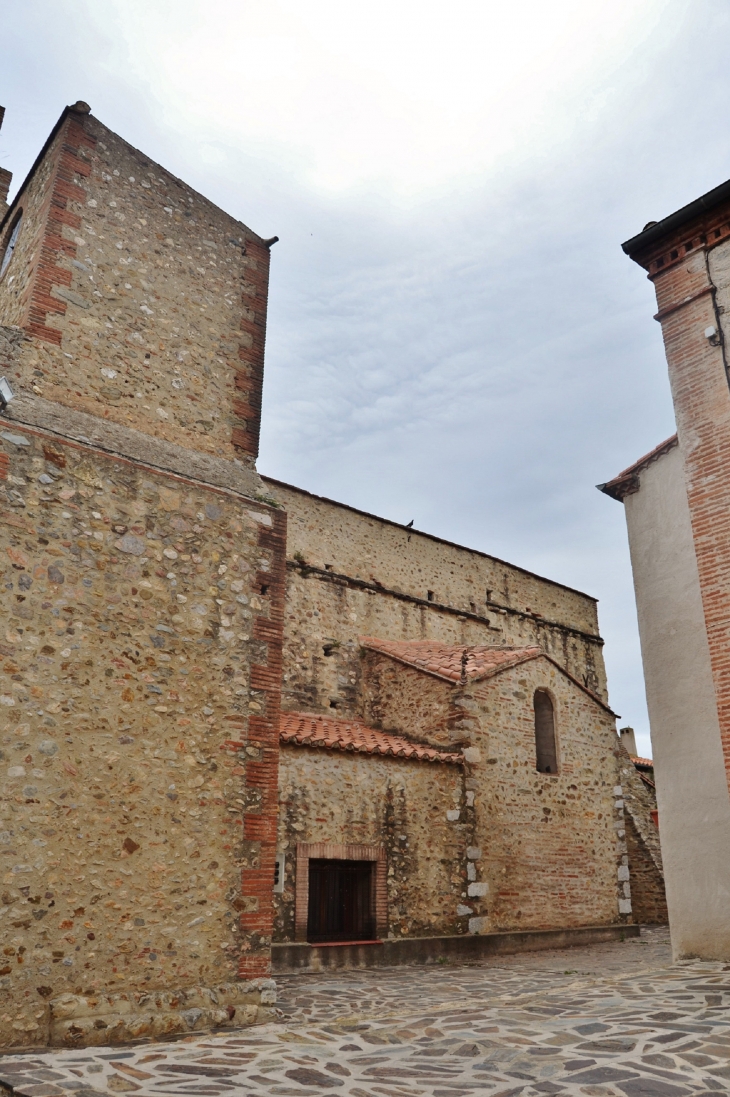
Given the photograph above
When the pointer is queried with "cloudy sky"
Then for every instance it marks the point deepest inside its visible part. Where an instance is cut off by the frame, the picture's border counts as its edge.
(455, 335)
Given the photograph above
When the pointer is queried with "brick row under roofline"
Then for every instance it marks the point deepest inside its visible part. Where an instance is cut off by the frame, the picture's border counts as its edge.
(698, 373)
(665, 244)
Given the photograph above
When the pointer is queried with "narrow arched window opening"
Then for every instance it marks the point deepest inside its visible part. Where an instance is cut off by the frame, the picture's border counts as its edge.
(10, 246)
(545, 747)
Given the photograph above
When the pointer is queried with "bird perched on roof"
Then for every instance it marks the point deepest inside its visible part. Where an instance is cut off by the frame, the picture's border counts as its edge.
(410, 524)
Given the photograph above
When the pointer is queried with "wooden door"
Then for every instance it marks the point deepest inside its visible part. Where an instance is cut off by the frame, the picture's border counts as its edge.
(341, 901)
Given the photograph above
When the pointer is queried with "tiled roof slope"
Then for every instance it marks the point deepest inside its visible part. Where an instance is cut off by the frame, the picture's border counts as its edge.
(308, 730)
(641, 761)
(447, 661)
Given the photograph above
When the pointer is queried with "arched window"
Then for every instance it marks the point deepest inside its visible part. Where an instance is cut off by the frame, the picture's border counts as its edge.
(10, 246)
(545, 748)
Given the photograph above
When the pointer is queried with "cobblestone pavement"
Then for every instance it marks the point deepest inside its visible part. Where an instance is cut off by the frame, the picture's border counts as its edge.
(615, 1019)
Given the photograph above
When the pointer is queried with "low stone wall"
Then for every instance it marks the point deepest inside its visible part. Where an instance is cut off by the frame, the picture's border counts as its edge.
(291, 958)
(77, 1021)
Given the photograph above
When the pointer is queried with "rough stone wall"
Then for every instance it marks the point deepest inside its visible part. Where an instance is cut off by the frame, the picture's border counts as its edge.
(639, 805)
(648, 896)
(145, 297)
(414, 809)
(648, 893)
(398, 698)
(554, 852)
(549, 851)
(351, 574)
(138, 745)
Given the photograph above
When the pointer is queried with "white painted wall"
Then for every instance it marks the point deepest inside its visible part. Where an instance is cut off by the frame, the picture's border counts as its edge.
(692, 790)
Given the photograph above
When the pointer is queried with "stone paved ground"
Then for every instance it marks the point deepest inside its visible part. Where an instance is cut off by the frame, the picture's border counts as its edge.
(613, 1019)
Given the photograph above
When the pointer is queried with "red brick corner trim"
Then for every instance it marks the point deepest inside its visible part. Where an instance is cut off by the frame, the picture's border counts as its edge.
(262, 772)
(64, 188)
(339, 852)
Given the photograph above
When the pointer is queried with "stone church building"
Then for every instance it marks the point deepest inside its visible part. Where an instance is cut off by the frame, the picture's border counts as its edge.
(233, 712)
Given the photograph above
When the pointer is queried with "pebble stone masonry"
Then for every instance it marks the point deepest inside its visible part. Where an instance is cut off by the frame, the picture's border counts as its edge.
(143, 586)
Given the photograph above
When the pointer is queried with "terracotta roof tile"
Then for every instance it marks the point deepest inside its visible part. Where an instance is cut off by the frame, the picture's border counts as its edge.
(454, 663)
(457, 664)
(641, 761)
(309, 730)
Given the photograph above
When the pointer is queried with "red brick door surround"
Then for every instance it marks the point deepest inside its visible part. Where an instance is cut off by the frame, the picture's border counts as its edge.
(336, 851)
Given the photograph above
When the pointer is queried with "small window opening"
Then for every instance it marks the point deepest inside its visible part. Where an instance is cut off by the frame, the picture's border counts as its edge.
(473, 607)
(488, 595)
(545, 749)
(688, 247)
(674, 254)
(279, 873)
(660, 261)
(334, 704)
(10, 246)
(717, 233)
(264, 588)
(429, 595)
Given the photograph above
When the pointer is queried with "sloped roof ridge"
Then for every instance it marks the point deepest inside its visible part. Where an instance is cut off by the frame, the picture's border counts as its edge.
(175, 178)
(452, 662)
(398, 650)
(352, 734)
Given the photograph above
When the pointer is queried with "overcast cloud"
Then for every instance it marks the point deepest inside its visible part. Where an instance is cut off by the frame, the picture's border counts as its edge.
(455, 335)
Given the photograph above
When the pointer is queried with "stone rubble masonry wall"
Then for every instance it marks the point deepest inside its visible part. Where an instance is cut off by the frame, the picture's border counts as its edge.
(146, 301)
(693, 293)
(403, 700)
(647, 883)
(351, 575)
(140, 654)
(639, 805)
(406, 806)
(549, 851)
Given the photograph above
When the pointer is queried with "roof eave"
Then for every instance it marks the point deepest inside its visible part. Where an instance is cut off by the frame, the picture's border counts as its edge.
(643, 240)
(627, 482)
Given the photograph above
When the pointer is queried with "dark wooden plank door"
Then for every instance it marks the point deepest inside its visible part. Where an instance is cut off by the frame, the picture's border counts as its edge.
(341, 906)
